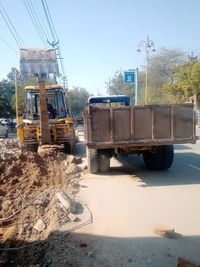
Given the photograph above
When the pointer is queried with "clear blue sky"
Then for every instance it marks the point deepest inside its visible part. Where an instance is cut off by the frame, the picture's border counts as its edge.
(99, 37)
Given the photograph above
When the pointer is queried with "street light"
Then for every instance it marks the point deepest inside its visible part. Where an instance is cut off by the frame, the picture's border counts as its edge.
(148, 46)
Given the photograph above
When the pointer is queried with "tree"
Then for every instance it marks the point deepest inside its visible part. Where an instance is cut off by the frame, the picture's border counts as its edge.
(21, 100)
(117, 86)
(6, 93)
(77, 97)
(162, 69)
(186, 83)
(23, 81)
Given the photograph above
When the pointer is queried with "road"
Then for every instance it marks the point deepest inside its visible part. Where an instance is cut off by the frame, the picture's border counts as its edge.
(129, 202)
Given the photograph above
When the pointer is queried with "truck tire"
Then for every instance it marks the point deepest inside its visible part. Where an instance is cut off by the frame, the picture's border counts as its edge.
(67, 148)
(167, 156)
(153, 160)
(93, 160)
(161, 159)
(6, 135)
(104, 161)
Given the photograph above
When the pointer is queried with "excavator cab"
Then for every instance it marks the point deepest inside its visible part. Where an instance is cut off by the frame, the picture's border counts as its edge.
(56, 106)
(46, 120)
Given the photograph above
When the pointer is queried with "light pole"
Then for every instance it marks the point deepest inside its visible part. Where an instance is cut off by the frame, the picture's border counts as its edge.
(148, 46)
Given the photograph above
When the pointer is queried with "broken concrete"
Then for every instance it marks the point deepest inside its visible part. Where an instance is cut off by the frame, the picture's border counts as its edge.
(67, 203)
(39, 226)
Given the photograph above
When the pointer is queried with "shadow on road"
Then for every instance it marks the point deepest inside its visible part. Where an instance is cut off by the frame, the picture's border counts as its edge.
(180, 173)
(61, 249)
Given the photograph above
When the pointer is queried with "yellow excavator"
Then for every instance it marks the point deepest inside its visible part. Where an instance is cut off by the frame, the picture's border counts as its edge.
(47, 121)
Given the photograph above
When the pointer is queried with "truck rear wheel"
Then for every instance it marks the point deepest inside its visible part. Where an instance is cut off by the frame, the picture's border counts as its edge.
(168, 156)
(93, 160)
(67, 148)
(104, 161)
(161, 159)
(153, 160)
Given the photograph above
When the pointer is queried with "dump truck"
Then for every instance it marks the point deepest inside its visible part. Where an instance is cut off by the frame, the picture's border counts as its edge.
(47, 120)
(114, 127)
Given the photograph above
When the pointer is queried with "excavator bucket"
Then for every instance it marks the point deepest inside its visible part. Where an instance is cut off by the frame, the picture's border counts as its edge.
(38, 61)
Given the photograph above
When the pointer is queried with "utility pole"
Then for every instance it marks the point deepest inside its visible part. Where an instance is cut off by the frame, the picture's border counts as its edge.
(65, 82)
(148, 46)
(53, 43)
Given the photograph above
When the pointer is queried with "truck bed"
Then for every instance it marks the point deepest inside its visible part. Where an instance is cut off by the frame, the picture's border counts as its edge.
(136, 126)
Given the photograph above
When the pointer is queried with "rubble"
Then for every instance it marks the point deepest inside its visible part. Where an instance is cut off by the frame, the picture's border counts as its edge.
(73, 169)
(34, 190)
(73, 217)
(67, 203)
(186, 263)
(39, 226)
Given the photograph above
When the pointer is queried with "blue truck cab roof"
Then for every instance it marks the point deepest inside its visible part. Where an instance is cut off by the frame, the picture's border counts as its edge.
(109, 99)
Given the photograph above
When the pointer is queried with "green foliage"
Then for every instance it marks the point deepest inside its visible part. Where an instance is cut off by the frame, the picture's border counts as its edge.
(21, 100)
(161, 70)
(188, 77)
(186, 83)
(117, 86)
(26, 80)
(22, 81)
(6, 92)
(169, 94)
(77, 98)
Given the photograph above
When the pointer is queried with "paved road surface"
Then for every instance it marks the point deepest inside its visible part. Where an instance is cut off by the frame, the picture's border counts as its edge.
(129, 202)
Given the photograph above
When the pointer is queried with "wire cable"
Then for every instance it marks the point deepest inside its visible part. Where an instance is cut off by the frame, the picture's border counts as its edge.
(70, 229)
(40, 25)
(44, 4)
(39, 11)
(18, 21)
(28, 8)
(54, 34)
(12, 48)
(17, 35)
(10, 25)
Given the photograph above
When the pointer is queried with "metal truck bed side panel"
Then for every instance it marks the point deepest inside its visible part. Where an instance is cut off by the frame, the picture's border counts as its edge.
(121, 124)
(183, 122)
(140, 125)
(162, 123)
(100, 125)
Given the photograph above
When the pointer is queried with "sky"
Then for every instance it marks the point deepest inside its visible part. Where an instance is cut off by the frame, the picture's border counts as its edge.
(99, 37)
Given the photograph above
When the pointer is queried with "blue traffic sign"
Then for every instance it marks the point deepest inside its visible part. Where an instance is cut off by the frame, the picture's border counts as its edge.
(129, 77)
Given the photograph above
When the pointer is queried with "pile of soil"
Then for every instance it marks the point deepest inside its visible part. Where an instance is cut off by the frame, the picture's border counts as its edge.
(29, 208)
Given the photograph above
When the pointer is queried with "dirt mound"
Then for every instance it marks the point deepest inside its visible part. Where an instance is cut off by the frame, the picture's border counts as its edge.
(30, 182)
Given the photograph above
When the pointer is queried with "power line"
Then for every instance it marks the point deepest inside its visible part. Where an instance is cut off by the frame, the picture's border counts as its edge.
(18, 21)
(12, 48)
(42, 17)
(34, 20)
(10, 25)
(49, 20)
(54, 34)
(38, 21)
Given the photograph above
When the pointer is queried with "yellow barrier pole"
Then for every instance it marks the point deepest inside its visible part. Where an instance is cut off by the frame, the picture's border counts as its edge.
(16, 97)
